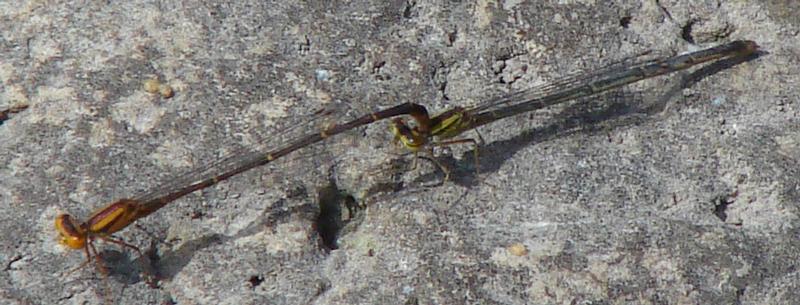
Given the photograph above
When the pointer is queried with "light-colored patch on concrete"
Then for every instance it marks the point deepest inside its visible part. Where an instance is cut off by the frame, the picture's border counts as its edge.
(138, 111)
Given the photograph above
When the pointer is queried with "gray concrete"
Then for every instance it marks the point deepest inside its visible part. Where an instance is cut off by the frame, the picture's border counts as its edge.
(677, 190)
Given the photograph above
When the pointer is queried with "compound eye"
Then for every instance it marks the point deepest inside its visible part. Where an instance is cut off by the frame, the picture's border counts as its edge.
(71, 233)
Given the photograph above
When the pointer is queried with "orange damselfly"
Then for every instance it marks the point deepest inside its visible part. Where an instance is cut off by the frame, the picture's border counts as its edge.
(123, 212)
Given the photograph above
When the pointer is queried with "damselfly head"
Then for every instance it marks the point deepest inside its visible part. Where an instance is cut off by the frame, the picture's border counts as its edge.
(411, 138)
(72, 234)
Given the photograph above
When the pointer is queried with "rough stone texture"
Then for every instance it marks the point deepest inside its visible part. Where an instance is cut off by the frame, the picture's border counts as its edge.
(666, 192)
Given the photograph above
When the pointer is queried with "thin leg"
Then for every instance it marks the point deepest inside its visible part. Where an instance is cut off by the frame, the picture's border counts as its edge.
(98, 261)
(88, 258)
(480, 138)
(477, 145)
(108, 296)
(151, 235)
(121, 243)
(414, 161)
(439, 165)
(150, 279)
(462, 141)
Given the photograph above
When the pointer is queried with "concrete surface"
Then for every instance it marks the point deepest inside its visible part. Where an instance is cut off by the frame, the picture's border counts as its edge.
(678, 190)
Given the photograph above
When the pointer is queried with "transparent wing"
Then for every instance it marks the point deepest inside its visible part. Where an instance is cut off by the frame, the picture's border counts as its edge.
(243, 156)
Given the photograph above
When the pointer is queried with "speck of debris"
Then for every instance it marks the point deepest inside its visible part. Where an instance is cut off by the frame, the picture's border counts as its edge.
(155, 86)
(517, 249)
(166, 91)
(255, 280)
(151, 85)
